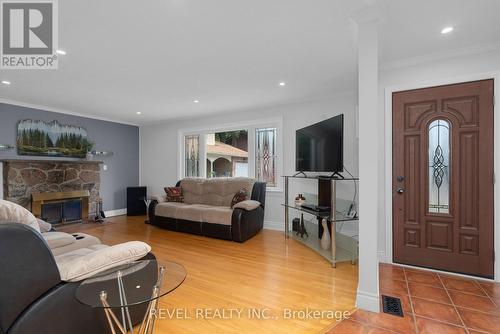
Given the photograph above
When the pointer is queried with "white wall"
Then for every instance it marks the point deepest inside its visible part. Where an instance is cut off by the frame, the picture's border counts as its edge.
(159, 145)
(432, 73)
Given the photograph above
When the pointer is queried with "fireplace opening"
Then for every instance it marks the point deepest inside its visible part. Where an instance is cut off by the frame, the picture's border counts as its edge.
(62, 212)
(61, 207)
(52, 213)
(72, 210)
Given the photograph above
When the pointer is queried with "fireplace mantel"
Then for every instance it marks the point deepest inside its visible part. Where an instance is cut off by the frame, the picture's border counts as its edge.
(58, 195)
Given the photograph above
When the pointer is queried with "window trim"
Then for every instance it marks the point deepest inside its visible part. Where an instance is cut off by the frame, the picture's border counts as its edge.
(249, 126)
(198, 138)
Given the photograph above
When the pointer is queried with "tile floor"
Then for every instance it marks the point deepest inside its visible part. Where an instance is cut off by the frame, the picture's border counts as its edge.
(432, 304)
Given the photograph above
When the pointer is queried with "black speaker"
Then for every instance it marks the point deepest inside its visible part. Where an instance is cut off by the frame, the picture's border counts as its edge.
(135, 201)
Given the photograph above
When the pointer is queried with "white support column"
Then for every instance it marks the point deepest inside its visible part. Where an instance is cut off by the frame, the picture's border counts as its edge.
(368, 291)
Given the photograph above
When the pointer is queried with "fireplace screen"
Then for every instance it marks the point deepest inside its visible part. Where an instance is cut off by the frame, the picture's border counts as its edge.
(61, 212)
(52, 213)
(72, 210)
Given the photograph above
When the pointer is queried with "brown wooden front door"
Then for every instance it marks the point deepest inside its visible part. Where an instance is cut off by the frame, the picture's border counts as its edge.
(443, 178)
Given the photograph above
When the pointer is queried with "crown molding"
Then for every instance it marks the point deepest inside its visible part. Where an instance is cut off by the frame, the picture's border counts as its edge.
(62, 111)
(455, 53)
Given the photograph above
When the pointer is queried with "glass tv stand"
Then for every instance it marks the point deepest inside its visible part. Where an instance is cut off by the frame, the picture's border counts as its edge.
(343, 247)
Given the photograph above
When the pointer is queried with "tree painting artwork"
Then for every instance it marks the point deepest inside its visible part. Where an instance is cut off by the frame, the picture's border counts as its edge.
(52, 139)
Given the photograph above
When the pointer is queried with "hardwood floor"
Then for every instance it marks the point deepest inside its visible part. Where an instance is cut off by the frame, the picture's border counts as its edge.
(266, 273)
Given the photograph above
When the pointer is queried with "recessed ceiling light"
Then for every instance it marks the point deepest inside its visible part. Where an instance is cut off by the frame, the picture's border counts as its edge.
(61, 52)
(196, 101)
(282, 83)
(5, 82)
(139, 113)
(446, 30)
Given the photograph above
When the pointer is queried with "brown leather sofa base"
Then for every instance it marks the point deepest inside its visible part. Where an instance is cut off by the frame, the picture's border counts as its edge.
(189, 226)
(218, 231)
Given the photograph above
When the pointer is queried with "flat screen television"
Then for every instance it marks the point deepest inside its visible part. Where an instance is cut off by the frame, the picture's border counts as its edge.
(320, 147)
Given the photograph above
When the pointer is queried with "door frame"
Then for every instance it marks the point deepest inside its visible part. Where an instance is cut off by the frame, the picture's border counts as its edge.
(387, 256)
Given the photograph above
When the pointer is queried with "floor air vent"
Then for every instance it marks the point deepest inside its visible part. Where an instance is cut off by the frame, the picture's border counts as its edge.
(392, 305)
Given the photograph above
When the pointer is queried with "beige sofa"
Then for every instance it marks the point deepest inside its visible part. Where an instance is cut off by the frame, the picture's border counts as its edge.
(206, 208)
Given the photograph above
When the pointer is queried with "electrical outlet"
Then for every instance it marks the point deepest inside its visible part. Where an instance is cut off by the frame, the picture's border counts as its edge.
(105, 167)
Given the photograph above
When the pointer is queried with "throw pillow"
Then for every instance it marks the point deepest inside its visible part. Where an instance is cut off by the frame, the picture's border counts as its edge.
(174, 194)
(240, 196)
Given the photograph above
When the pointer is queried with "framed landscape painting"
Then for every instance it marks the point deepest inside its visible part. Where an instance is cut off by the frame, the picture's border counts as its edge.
(51, 139)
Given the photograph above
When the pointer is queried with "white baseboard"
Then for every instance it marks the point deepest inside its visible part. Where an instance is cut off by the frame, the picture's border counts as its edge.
(117, 212)
(277, 226)
(381, 257)
(367, 301)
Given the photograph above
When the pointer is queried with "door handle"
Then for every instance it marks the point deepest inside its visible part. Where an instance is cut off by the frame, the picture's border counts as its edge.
(400, 190)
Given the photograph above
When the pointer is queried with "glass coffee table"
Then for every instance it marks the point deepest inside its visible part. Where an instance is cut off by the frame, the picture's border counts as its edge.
(129, 285)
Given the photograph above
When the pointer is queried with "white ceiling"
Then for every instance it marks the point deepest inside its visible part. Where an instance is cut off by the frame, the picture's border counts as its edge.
(411, 28)
(158, 56)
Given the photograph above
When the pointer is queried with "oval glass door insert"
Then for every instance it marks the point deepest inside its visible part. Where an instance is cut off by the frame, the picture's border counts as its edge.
(439, 166)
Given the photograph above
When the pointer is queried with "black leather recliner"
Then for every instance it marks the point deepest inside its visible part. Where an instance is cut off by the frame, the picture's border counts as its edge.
(33, 299)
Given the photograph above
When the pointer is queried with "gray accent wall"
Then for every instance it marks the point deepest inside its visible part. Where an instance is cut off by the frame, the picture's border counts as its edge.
(122, 168)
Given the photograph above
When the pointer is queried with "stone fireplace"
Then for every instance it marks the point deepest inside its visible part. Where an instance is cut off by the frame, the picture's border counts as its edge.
(27, 180)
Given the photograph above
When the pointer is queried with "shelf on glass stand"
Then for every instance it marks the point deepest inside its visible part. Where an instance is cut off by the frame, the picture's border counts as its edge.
(339, 216)
(346, 245)
(320, 177)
